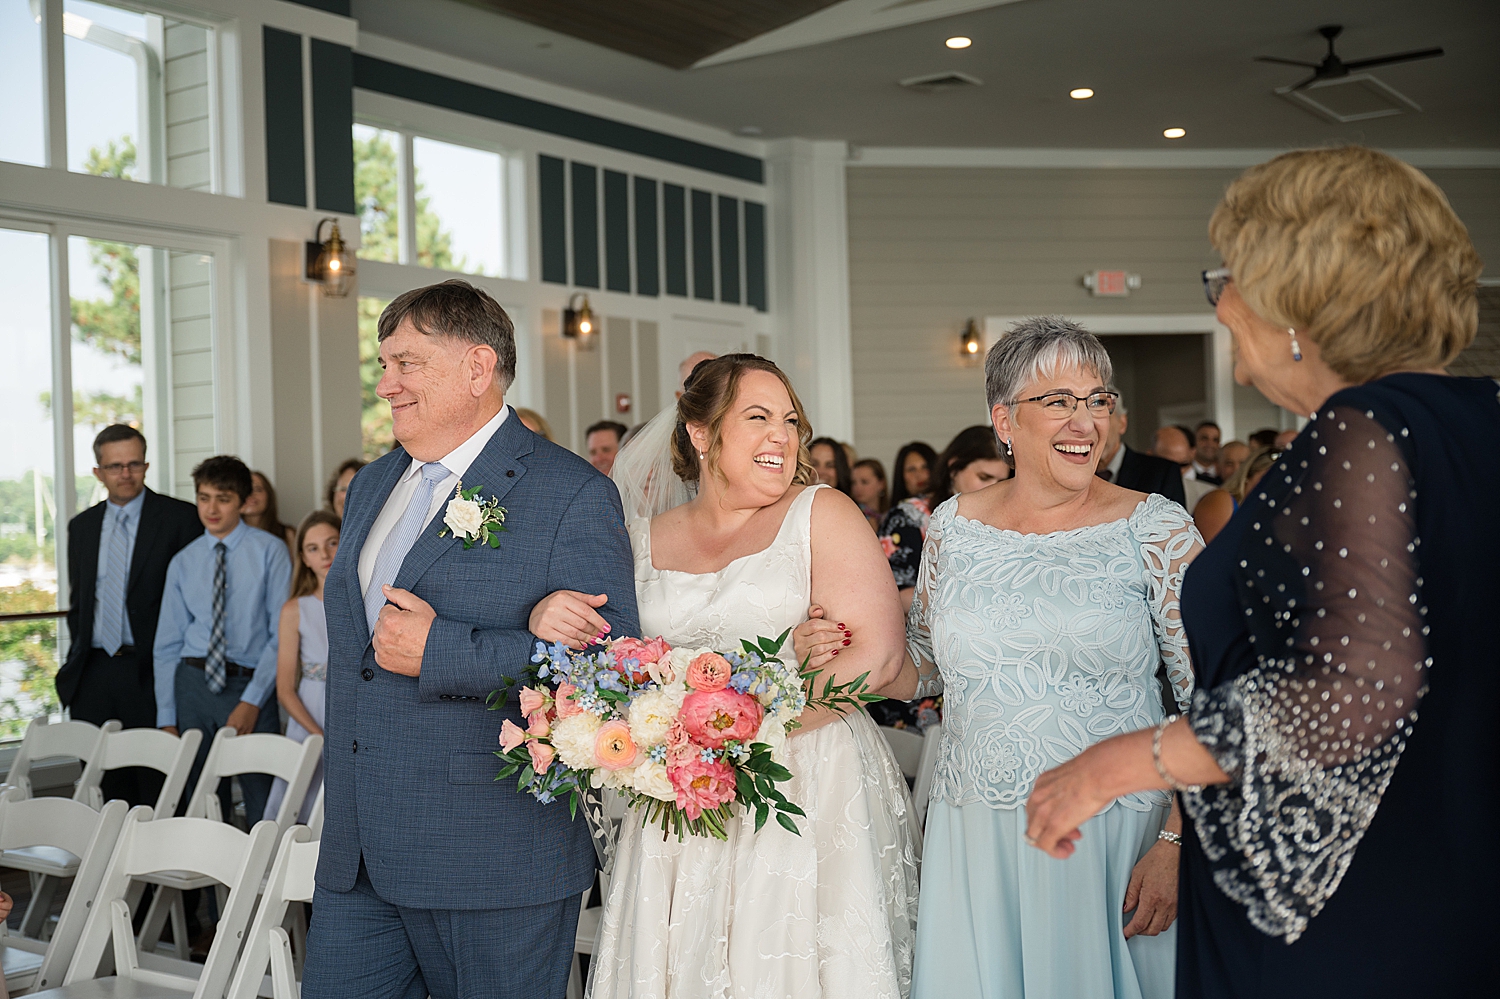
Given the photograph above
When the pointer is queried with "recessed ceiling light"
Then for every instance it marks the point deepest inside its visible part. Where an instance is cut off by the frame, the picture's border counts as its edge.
(1175, 133)
(959, 42)
(749, 130)
(1081, 94)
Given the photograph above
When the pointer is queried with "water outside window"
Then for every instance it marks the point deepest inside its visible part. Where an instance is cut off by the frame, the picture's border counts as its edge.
(109, 63)
(23, 139)
(463, 191)
(28, 520)
(377, 192)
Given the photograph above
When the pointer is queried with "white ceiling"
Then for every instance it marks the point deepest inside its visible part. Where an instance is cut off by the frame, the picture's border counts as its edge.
(1153, 65)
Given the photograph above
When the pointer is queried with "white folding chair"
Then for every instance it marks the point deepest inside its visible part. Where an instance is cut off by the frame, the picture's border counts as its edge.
(61, 825)
(315, 817)
(77, 739)
(167, 754)
(932, 741)
(231, 857)
(229, 756)
(291, 880)
(586, 940)
(906, 746)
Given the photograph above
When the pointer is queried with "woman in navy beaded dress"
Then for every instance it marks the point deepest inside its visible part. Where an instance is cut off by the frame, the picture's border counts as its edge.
(1337, 767)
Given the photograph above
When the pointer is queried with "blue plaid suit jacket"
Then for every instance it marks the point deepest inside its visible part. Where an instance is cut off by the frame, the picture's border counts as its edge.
(410, 762)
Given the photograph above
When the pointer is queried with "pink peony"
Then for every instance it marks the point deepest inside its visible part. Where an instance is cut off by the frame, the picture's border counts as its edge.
(677, 735)
(533, 701)
(681, 756)
(542, 755)
(644, 652)
(714, 717)
(566, 708)
(708, 672)
(511, 735)
(701, 785)
(537, 724)
(613, 747)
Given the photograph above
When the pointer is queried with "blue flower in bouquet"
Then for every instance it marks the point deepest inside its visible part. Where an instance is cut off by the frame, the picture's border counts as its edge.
(740, 682)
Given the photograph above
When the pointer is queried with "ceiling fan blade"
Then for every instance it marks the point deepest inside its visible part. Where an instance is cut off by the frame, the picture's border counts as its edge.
(1311, 79)
(1286, 62)
(1395, 57)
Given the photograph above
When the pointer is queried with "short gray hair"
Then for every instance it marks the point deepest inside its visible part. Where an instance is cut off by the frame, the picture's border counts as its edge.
(1037, 346)
(461, 311)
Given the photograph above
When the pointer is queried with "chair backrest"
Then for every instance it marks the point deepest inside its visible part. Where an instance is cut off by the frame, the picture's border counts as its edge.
(258, 753)
(315, 817)
(143, 747)
(291, 880)
(77, 739)
(907, 747)
(216, 849)
(89, 835)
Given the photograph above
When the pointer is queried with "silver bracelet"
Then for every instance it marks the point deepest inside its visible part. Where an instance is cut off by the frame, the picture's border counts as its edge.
(1172, 782)
(1174, 838)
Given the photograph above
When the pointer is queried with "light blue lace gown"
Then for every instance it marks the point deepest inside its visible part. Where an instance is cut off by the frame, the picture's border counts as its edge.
(1041, 646)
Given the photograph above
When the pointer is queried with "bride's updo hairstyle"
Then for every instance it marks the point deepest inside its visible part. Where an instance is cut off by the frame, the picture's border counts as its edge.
(706, 399)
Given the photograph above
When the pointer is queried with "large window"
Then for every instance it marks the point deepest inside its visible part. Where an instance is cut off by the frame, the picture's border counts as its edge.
(137, 86)
(440, 205)
(134, 345)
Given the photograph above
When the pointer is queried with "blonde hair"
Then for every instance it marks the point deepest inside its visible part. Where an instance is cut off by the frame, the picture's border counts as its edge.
(532, 416)
(707, 397)
(1255, 463)
(304, 580)
(1357, 251)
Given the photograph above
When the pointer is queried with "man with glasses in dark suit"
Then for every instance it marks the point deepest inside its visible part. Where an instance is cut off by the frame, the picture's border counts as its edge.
(1133, 470)
(118, 552)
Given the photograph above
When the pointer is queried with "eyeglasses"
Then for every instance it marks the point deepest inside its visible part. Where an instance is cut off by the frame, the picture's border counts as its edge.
(1214, 282)
(116, 468)
(1061, 405)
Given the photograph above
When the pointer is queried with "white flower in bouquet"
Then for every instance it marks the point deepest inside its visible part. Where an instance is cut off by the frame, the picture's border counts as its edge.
(618, 780)
(651, 715)
(650, 779)
(464, 517)
(773, 733)
(573, 738)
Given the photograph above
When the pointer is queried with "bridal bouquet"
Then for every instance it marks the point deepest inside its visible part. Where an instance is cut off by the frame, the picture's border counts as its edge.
(684, 734)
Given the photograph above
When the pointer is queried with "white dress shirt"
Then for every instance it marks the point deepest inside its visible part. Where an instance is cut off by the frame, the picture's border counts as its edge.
(457, 463)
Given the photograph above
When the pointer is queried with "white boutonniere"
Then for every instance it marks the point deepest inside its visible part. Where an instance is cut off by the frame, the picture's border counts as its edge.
(477, 521)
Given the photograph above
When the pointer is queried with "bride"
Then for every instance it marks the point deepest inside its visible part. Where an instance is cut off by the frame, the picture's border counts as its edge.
(827, 913)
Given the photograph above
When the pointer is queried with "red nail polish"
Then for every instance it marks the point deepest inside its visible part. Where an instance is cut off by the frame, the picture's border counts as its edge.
(835, 651)
(846, 641)
(841, 625)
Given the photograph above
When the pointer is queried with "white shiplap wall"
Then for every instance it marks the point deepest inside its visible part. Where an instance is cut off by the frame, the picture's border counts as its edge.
(188, 122)
(190, 333)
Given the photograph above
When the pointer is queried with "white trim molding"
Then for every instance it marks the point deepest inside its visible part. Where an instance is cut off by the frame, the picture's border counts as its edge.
(1130, 159)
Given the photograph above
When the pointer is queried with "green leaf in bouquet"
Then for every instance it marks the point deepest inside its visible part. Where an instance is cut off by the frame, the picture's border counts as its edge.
(510, 769)
(790, 807)
(777, 772)
(762, 812)
(871, 698)
(744, 786)
(526, 776)
(573, 804)
(787, 824)
(749, 646)
(494, 540)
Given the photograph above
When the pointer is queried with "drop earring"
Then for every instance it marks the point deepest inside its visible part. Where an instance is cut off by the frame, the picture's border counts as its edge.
(1296, 347)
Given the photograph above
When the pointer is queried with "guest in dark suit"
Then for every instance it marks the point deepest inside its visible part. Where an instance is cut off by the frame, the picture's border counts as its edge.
(1133, 470)
(118, 552)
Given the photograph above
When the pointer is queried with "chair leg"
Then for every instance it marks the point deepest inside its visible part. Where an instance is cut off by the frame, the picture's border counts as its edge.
(163, 901)
(575, 980)
(44, 890)
(180, 930)
(297, 917)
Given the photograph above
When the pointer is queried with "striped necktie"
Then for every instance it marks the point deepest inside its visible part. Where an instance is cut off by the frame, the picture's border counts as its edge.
(110, 629)
(402, 537)
(214, 663)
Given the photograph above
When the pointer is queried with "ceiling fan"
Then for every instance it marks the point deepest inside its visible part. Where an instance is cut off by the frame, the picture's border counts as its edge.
(1333, 68)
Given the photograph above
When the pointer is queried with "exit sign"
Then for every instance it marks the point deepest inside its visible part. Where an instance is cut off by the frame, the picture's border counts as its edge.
(1111, 284)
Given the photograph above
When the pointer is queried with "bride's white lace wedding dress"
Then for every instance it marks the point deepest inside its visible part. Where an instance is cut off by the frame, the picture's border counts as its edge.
(829, 913)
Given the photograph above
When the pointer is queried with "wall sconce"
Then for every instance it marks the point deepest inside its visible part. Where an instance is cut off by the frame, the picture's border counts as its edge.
(579, 323)
(970, 341)
(330, 262)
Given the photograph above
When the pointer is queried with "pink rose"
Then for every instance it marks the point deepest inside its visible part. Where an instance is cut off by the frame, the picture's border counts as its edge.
(511, 735)
(537, 724)
(677, 735)
(701, 785)
(708, 672)
(533, 701)
(566, 708)
(613, 747)
(542, 755)
(714, 717)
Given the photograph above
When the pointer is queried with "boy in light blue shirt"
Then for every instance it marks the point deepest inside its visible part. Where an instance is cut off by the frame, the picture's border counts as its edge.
(215, 653)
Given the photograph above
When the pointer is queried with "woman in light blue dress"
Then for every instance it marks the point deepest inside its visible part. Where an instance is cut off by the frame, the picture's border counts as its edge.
(1044, 607)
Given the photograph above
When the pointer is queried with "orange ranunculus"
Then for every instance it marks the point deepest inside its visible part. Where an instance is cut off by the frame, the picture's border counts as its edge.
(613, 747)
(708, 672)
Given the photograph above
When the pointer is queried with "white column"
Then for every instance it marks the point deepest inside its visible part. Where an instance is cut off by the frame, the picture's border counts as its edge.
(809, 267)
(1219, 358)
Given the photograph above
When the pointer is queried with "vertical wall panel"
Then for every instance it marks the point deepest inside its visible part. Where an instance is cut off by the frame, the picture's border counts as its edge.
(189, 153)
(333, 126)
(616, 231)
(674, 237)
(620, 376)
(286, 166)
(703, 245)
(585, 190)
(729, 250)
(647, 278)
(589, 365)
(552, 194)
(648, 357)
(190, 292)
(556, 405)
(755, 255)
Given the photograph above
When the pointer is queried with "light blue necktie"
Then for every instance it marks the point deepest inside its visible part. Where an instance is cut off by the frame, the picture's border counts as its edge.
(111, 611)
(399, 541)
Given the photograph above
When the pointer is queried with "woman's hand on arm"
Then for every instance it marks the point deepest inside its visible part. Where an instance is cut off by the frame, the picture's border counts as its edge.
(817, 640)
(289, 667)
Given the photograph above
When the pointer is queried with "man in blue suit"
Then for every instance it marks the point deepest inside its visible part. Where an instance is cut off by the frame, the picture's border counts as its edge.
(434, 878)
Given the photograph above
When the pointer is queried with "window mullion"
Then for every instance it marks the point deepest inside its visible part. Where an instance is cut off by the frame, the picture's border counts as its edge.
(54, 85)
(64, 492)
(406, 193)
